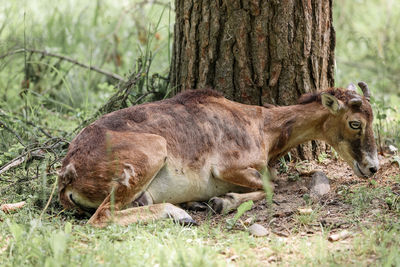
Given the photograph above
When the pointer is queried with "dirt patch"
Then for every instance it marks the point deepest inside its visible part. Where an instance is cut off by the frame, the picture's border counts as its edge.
(351, 202)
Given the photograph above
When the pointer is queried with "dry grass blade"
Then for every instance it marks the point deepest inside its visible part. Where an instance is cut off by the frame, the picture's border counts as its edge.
(50, 197)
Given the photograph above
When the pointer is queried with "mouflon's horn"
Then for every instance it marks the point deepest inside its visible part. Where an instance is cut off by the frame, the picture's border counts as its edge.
(355, 102)
(365, 90)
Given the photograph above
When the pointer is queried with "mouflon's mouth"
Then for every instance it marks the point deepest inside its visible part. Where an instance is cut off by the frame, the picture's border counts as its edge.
(358, 168)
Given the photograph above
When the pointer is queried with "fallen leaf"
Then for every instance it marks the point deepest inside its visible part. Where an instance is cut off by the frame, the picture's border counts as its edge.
(7, 208)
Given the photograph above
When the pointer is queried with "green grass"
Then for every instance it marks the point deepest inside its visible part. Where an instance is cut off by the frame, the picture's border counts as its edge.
(362, 200)
(27, 240)
(99, 33)
(303, 220)
(53, 241)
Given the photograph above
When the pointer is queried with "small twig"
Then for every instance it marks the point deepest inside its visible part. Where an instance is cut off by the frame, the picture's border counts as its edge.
(40, 129)
(47, 134)
(152, 2)
(58, 214)
(143, 96)
(3, 125)
(120, 96)
(73, 61)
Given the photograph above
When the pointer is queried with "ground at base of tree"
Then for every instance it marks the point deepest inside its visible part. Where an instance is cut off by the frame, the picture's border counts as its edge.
(353, 208)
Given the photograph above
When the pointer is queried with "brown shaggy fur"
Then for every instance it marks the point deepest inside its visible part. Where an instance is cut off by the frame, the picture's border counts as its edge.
(199, 134)
(190, 121)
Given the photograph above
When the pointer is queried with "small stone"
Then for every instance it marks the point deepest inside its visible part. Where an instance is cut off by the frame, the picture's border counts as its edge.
(257, 230)
(306, 211)
(392, 149)
(248, 221)
(376, 211)
(273, 173)
(319, 185)
(272, 258)
(375, 202)
(303, 189)
(339, 236)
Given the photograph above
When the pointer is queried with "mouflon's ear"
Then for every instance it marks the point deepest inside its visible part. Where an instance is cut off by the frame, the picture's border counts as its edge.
(352, 87)
(331, 103)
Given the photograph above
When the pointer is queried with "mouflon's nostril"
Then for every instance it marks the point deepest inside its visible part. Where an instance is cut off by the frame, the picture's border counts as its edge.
(373, 169)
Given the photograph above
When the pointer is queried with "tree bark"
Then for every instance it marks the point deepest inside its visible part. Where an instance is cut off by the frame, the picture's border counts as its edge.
(254, 51)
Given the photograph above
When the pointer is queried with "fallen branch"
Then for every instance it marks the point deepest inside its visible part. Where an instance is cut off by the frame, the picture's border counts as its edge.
(15, 162)
(42, 130)
(73, 61)
(34, 153)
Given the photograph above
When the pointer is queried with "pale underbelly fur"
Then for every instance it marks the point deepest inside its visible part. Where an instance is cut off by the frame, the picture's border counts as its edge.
(173, 186)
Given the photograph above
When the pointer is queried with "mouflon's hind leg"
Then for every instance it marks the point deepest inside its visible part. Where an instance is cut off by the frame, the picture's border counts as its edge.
(154, 212)
(231, 201)
(136, 159)
(145, 214)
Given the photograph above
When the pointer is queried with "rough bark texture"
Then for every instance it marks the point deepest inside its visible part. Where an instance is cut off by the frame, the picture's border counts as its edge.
(254, 51)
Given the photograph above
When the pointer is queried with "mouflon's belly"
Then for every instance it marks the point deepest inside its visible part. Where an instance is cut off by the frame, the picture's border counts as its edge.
(177, 186)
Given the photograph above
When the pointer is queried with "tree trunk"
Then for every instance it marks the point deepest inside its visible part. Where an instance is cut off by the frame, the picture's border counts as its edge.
(254, 51)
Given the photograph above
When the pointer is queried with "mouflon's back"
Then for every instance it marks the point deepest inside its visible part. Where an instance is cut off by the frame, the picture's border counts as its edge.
(193, 123)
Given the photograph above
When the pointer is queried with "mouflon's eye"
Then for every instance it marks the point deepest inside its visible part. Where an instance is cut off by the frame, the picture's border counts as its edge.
(355, 125)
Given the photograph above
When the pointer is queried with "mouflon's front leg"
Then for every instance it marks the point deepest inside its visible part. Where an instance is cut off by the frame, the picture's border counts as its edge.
(246, 177)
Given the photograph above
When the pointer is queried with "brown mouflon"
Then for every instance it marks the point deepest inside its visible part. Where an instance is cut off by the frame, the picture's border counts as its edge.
(134, 164)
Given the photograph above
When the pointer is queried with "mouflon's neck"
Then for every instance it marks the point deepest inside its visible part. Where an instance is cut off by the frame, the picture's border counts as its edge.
(290, 126)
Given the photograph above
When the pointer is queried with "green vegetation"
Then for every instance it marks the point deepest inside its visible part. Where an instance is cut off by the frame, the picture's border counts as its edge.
(134, 38)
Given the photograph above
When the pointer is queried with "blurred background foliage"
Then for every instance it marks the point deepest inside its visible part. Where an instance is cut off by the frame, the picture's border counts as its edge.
(44, 99)
(367, 49)
(111, 35)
